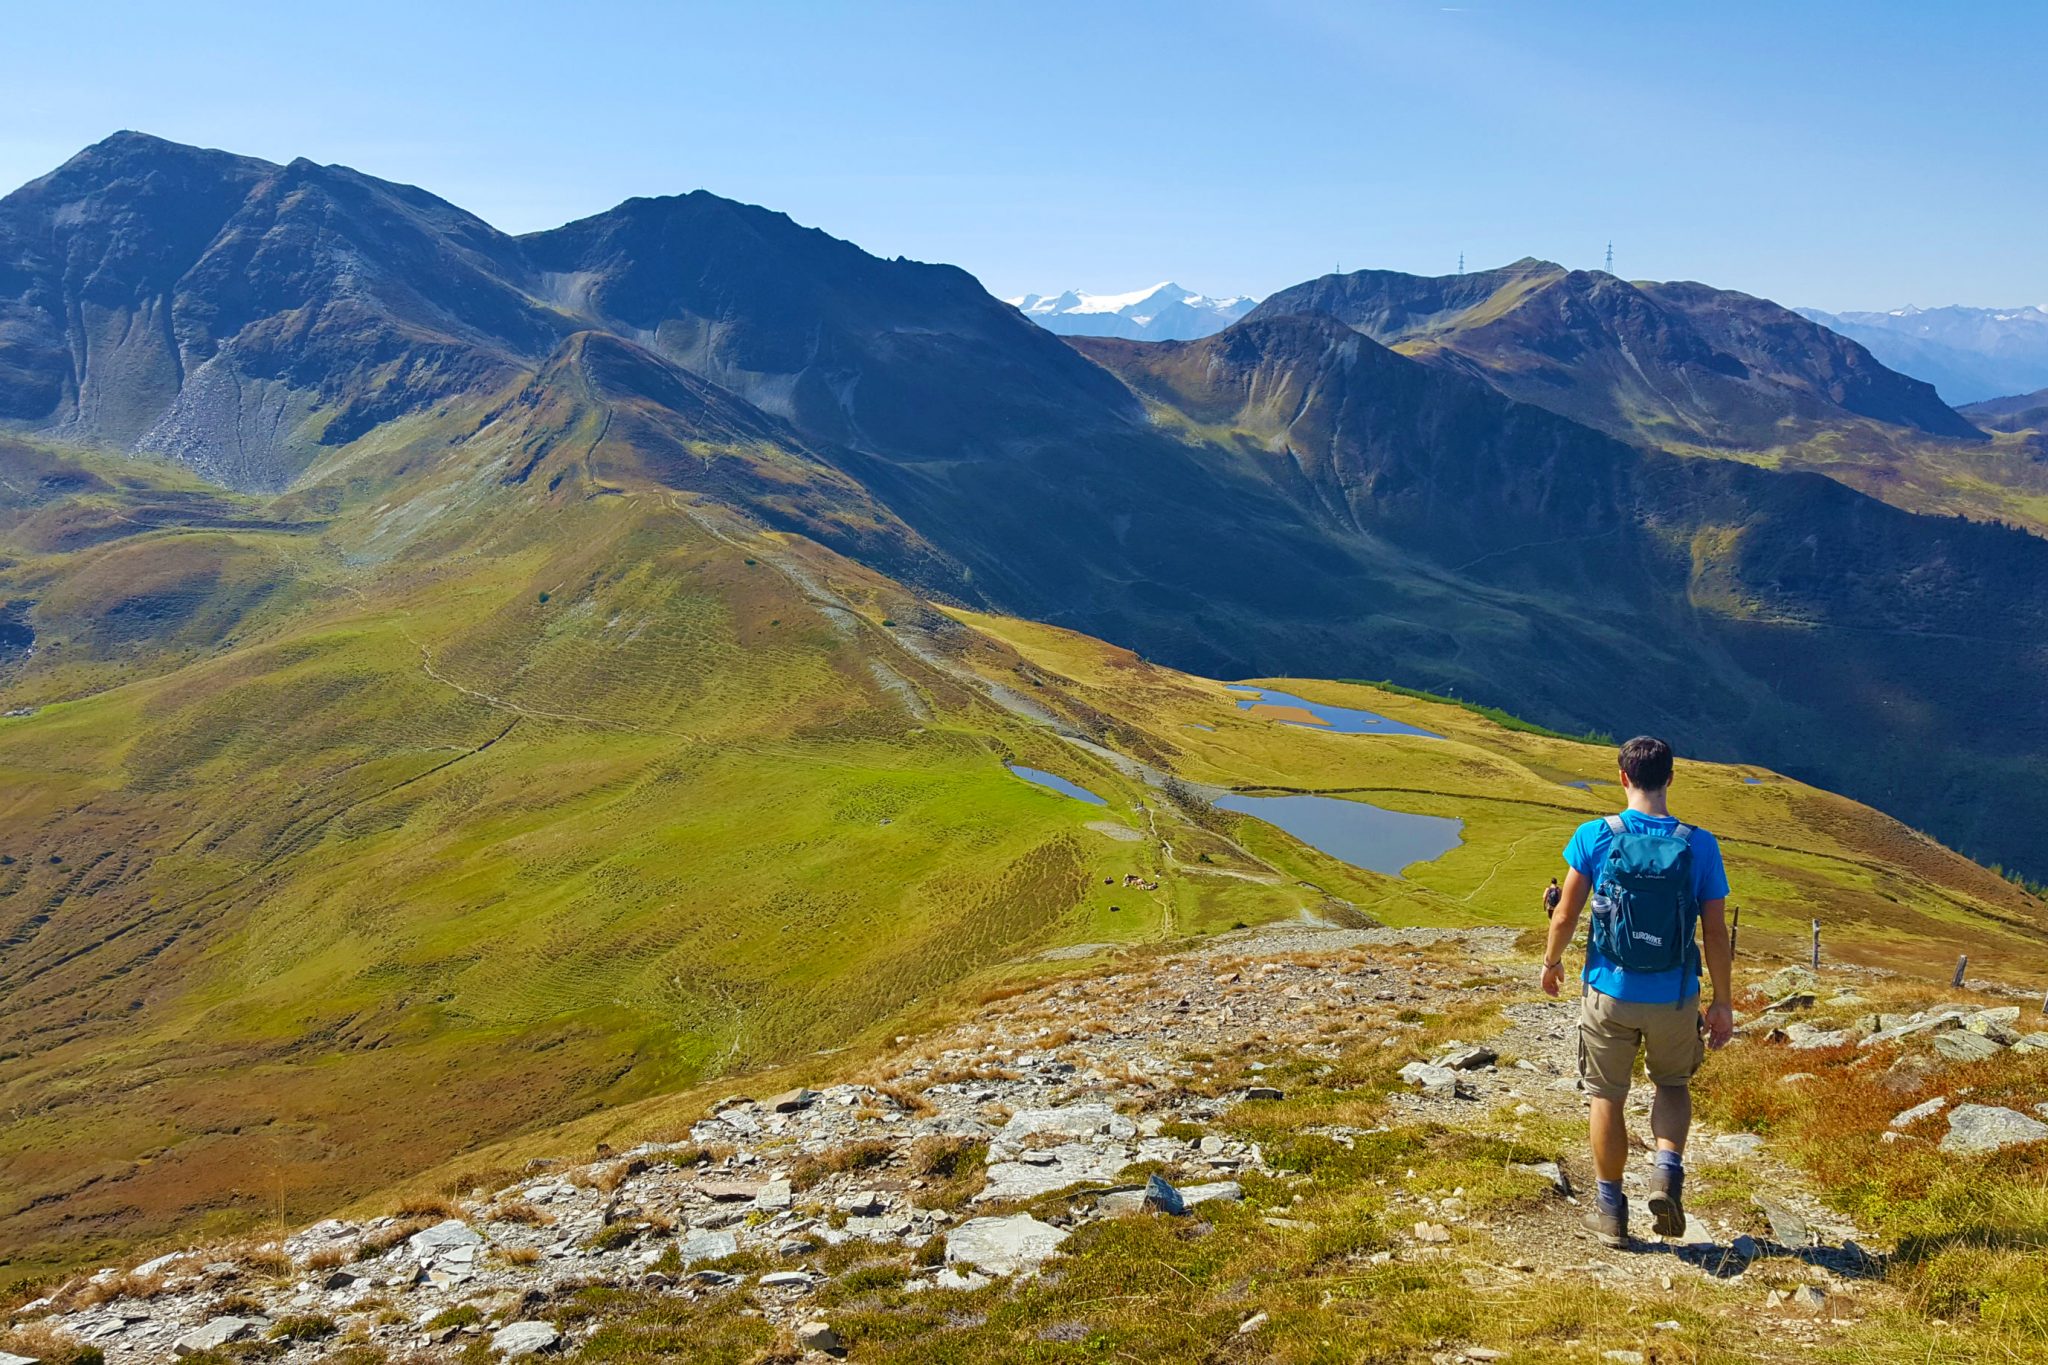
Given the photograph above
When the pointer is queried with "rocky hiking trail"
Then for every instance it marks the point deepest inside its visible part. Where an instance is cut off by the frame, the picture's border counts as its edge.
(1196, 1086)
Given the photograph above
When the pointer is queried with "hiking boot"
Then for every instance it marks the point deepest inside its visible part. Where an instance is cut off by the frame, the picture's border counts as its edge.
(1665, 1208)
(1610, 1228)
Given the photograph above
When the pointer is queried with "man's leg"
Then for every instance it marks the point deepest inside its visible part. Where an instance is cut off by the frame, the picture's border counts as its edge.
(1609, 1122)
(1607, 1061)
(1671, 1117)
(1675, 1053)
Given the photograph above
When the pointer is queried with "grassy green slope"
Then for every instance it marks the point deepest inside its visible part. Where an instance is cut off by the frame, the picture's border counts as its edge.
(480, 820)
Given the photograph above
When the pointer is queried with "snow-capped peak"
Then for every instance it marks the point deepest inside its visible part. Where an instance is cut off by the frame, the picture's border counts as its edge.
(1161, 312)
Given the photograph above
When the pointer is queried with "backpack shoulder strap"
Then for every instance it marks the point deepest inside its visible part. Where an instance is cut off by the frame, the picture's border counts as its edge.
(1683, 832)
(1614, 823)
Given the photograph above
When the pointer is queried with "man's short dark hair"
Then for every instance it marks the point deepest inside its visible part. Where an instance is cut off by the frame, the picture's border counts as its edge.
(1647, 761)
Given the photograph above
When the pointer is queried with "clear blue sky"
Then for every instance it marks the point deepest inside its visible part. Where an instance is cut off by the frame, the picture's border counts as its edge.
(1835, 154)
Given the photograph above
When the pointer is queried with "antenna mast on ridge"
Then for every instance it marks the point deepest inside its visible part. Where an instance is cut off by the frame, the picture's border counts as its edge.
(1610, 257)
(1461, 263)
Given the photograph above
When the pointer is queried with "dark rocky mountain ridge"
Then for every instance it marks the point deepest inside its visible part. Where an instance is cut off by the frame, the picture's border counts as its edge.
(1667, 363)
(1287, 496)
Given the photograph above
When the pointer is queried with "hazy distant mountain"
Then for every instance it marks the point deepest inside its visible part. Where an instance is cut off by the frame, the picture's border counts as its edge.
(2021, 412)
(1969, 354)
(1164, 312)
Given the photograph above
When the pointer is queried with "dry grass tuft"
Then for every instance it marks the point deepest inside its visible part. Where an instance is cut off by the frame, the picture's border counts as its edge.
(49, 1345)
(127, 1285)
(865, 1154)
(520, 1255)
(519, 1211)
(385, 1238)
(433, 1206)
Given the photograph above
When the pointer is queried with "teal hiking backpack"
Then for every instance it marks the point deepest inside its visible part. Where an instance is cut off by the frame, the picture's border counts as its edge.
(1643, 908)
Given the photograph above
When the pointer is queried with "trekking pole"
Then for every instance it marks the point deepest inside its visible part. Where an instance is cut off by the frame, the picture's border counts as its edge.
(1962, 965)
(1735, 927)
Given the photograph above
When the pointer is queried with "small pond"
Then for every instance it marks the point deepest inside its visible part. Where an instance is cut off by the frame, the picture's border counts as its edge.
(1365, 836)
(1320, 715)
(1056, 783)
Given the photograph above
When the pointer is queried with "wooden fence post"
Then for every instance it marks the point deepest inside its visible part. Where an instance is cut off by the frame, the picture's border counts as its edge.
(1962, 965)
(1816, 945)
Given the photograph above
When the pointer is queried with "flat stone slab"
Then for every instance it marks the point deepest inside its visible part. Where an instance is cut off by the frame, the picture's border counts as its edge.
(525, 1338)
(215, 1334)
(729, 1191)
(707, 1246)
(444, 1236)
(1072, 1163)
(1074, 1120)
(1987, 1128)
(1018, 1244)
(1919, 1023)
(1215, 1189)
(1908, 1117)
(1960, 1045)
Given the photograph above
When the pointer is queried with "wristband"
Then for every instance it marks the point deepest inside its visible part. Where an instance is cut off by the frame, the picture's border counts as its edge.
(1548, 965)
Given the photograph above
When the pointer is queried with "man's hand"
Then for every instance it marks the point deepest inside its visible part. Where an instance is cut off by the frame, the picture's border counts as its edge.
(1720, 1024)
(1553, 978)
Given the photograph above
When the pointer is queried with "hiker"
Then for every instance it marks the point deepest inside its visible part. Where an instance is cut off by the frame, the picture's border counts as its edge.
(1552, 894)
(1653, 882)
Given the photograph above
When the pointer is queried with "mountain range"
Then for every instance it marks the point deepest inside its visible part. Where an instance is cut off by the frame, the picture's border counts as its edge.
(454, 682)
(1452, 481)
(1968, 354)
(1164, 312)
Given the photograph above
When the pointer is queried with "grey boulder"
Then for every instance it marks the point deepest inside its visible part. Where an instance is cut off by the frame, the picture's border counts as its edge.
(1976, 1128)
(1015, 1244)
(525, 1338)
(1962, 1046)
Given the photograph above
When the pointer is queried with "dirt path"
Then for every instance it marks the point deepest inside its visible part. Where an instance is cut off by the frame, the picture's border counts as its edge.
(1148, 1058)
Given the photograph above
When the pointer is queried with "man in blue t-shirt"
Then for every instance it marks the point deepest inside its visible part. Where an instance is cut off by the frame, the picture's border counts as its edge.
(1622, 1012)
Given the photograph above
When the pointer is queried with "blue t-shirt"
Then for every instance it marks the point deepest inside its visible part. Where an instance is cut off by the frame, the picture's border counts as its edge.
(1587, 853)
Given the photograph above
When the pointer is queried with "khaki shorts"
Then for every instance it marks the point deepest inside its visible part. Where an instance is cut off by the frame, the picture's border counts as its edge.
(1612, 1031)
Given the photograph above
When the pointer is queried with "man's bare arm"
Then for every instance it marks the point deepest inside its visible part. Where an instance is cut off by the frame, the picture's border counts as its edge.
(1714, 947)
(1562, 925)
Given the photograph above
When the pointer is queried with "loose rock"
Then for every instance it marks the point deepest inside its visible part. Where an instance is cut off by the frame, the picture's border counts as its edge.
(1987, 1128)
(819, 1336)
(1926, 1110)
(525, 1339)
(1017, 1244)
